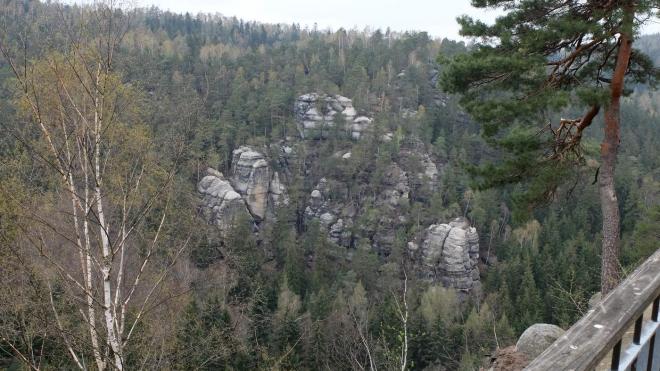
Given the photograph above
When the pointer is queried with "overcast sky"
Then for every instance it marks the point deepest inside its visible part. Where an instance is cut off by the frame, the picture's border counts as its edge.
(437, 17)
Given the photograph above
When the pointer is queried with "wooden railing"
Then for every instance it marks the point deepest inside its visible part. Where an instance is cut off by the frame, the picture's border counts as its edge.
(601, 331)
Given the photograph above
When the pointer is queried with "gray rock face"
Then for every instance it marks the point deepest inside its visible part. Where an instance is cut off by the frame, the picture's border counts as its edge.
(251, 178)
(396, 186)
(221, 204)
(338, 233)
(401, 181)
(429, 173)
(253, 189)
(394, 195)
(317, 116)
(449, 254)
(319, 208)
(537, 338)
(317, 204)
(278, 193)
(284, 155)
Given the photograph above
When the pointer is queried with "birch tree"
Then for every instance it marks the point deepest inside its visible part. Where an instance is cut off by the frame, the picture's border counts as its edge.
(110, 194)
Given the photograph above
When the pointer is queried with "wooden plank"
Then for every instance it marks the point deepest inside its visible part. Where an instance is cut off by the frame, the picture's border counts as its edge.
(595, 334)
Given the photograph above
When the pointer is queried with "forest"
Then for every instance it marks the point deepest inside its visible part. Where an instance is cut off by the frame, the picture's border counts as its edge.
(184, 191)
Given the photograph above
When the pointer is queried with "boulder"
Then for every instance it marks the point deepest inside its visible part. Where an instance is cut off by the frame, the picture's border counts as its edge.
(595, 300)
(316, 200)
(360, 125)
(317, 205)
(537, 338)
(349, 111)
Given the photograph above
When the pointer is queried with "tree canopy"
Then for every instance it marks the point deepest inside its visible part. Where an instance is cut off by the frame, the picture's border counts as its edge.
(538, 63)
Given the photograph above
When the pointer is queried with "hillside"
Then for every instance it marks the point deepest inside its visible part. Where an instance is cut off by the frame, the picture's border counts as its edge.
(307, 193)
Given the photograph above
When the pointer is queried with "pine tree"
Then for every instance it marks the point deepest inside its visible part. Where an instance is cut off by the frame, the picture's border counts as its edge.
(204, 340)
(529, 302)
(540, 57)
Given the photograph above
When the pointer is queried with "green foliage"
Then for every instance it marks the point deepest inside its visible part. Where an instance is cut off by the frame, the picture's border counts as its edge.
(279, 294)
(532, 63)
(204, 338)
(644, 240)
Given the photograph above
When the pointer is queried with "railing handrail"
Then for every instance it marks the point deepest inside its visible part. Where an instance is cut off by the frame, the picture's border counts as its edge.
(589, 340)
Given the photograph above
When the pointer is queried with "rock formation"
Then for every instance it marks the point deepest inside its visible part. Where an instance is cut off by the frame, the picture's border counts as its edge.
(277, 191)
(284, 155)
(415, 150)
(221, 204)
(329, 218)
(394, 196)
(533, 341)
(401, 183)
(449, 253)
(317, 115)
(251, 178)
(253, 190)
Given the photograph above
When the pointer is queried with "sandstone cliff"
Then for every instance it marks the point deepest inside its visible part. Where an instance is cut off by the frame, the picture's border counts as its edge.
(253, 190)
(448, 253)
(221, 205)
(320, 115)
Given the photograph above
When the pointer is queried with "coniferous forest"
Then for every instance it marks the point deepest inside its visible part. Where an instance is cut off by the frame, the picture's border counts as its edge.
(185, 191)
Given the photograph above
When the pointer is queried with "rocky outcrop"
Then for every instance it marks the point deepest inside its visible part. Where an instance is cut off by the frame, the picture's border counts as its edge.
(251, 178)
(329, 218)
(394, 196)
(401, 183)
(537, 338)
(253, 190)
(277, 190)
(319, 115)
(428, 175)
(221, 205)
(448, 253)
(397, 189)
(439, 97)
(284, 156)
(360, 125)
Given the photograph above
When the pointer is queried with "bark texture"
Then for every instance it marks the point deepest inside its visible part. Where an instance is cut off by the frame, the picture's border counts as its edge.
(609, 148)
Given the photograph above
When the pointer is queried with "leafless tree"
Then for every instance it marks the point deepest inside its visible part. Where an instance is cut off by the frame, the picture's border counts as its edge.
(92, 141)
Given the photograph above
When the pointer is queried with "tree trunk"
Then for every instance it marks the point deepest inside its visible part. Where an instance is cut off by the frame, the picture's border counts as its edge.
(610, 274)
